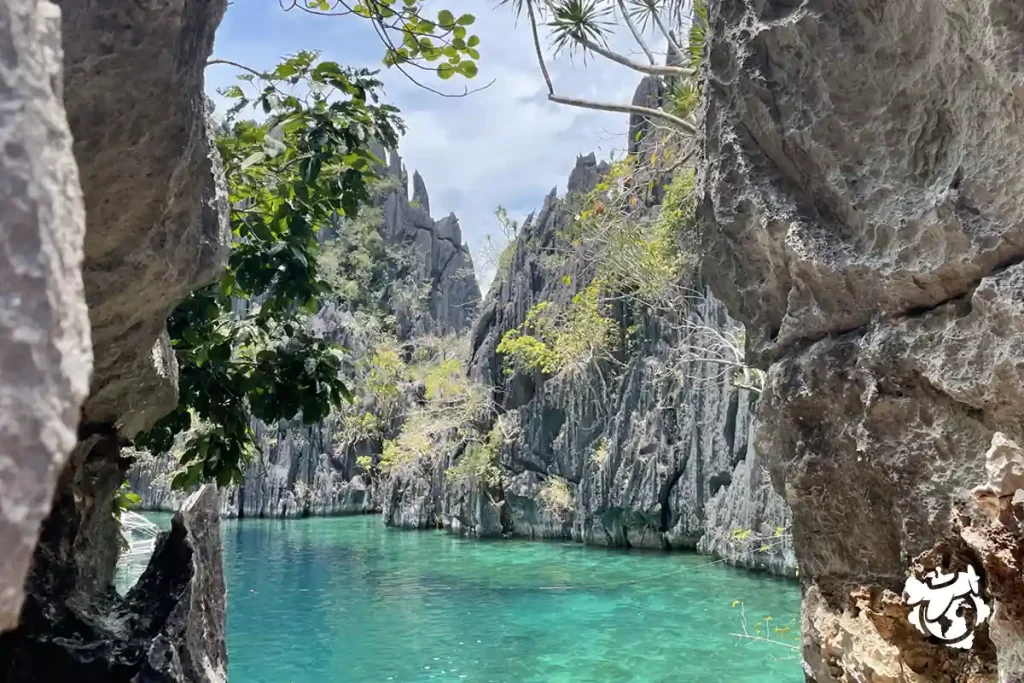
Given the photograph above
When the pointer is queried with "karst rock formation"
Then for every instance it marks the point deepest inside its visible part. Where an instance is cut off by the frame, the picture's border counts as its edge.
(141, 180)
(863, 211)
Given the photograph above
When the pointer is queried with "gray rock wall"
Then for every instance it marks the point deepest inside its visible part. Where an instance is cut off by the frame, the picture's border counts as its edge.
(155, 229)
(45, 354)
(656, 454)
(863, 209)
(169, 628)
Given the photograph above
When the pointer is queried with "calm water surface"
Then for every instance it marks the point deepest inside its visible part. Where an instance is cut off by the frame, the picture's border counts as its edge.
(347, 600)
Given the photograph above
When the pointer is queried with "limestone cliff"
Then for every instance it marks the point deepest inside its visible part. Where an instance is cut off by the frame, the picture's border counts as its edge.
(312, 470)
(45, 355)
(133, 99)
(863, 209)
(651, 454)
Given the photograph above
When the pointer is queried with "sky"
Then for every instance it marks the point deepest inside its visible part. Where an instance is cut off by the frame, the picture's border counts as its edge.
(506, 145)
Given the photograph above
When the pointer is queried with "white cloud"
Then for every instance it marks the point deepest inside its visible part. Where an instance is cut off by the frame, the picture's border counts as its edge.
(506, 145)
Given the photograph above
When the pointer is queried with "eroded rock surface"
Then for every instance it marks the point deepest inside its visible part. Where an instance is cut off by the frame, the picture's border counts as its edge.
(45, 355)
(156, 229)
(865, 222)
(652, 453)
(169, 628)
(154, 194)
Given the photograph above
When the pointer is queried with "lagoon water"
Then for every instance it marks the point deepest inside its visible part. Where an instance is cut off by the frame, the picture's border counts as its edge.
(348, 600)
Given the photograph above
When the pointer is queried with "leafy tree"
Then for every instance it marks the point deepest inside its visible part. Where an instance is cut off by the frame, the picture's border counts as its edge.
(414, 41)
(305, 165)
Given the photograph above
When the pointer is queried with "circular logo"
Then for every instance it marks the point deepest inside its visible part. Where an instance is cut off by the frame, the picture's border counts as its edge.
(947, 606)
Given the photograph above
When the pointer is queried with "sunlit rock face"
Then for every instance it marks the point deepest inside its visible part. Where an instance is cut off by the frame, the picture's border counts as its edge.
(45, 355)
(155, 197)
(862, 201)
(155, 229)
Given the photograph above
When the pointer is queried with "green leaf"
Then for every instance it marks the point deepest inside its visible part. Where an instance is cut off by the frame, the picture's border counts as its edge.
(473, 41)
(445, 71)
(466, 20)
(445, 18)
(467, 68)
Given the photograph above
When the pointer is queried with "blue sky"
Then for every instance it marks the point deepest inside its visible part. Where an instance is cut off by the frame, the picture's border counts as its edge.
(506, 145)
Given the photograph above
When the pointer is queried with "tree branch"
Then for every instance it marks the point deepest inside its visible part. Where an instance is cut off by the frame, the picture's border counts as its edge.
(636, 34)
(673, 45)
(675, 121)
(536, 45)
(652, 69)
(243, 67)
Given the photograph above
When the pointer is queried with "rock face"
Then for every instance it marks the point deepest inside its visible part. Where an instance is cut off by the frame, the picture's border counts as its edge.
(654, 455)
(155, 197)
(156, 228)
(440, 259)
(45, 355)
(169, 628)
(312, 470)
(867, 227)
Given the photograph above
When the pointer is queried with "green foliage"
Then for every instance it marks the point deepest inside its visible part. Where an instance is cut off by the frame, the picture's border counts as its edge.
(576, 22)
(500, 255)
(553, 340)
(479, 462)
(452, 406)
(385, 371)
(765, 543)
(411, 37)
(445, 380)
(698, 32)
(555, 496)
(365, 463)
(124, 499)
(306, 165)
(356, 263)
(600, 452)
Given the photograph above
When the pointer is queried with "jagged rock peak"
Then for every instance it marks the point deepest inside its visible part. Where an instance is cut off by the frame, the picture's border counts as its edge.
(448, 229)
(586, 173)
(419, 192)
(650, 93)
(396, 169)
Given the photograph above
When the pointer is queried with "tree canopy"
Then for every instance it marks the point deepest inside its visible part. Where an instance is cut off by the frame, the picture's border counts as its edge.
(242, 344)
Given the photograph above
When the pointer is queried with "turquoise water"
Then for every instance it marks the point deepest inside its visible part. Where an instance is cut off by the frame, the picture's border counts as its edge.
(347, 600)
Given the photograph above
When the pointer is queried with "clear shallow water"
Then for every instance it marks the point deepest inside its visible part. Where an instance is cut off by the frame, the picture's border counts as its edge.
(347, 600)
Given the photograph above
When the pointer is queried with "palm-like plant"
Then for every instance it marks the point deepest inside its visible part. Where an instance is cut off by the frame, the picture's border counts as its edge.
(583, 26)
(577, 24)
